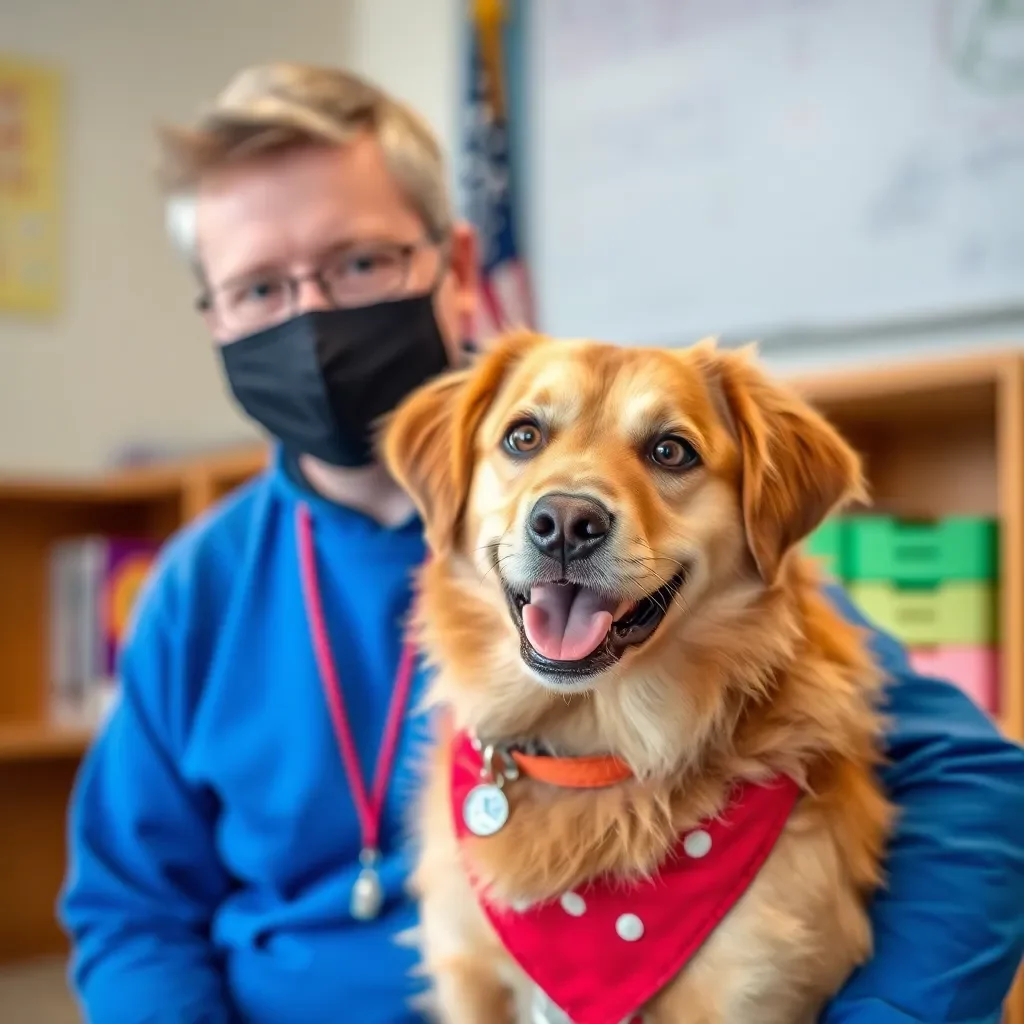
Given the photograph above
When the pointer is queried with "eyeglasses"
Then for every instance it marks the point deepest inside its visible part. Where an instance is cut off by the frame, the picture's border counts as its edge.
(354, 276)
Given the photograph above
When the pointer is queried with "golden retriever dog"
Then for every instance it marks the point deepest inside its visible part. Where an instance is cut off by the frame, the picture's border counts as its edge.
(654, 794)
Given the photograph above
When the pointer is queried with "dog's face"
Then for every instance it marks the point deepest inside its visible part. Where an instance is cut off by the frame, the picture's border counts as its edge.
(602, 495)
(601, 492)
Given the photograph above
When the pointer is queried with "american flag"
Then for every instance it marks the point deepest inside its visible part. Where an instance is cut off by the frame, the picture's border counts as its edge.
(505, 296)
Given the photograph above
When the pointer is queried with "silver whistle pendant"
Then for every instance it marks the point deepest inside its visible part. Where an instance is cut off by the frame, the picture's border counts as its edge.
(367, 893)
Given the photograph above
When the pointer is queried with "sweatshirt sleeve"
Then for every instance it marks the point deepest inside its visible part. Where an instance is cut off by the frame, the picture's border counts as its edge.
(949, 925)
(144, 878)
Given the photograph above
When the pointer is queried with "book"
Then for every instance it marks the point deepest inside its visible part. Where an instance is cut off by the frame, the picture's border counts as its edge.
(94, 585)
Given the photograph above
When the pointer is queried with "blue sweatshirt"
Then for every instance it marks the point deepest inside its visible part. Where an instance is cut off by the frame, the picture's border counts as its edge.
(214, 842)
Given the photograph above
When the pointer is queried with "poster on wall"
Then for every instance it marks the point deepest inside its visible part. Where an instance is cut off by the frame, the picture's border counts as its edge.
(30, 97)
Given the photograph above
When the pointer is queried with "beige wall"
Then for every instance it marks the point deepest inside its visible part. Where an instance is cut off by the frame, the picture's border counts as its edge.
(412, 47)
(126, 359)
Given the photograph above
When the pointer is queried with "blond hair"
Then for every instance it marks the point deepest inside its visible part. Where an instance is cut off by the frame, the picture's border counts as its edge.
(276, 106)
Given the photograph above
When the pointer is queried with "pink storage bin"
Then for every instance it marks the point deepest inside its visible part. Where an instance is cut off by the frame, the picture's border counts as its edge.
(975, 670)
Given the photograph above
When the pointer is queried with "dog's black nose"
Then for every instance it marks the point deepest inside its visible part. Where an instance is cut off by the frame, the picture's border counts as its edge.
(567, 527)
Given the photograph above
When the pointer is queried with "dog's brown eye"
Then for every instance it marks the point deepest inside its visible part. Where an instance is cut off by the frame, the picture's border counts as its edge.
(674, 452)
(524, 438)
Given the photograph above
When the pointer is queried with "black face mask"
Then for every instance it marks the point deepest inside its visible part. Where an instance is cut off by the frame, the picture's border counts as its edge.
(320, 381)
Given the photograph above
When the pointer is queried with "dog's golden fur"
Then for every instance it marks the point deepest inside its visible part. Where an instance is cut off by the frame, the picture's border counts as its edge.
(752, 672)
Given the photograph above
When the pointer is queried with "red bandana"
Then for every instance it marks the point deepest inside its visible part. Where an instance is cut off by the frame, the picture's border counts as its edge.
(601, 952)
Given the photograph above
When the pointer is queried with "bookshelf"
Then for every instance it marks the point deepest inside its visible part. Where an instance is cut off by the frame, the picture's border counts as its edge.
(39, 757)
(944, 438)
(938, 438)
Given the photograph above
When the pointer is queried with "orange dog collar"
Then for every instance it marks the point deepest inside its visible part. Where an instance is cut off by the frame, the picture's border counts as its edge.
(573, 772)
(589, 772)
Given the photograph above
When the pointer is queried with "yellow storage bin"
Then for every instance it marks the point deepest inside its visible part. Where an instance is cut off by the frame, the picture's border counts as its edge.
(957, 612)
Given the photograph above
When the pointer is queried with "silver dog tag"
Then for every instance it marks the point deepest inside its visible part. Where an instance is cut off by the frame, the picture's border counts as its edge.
(485, 809)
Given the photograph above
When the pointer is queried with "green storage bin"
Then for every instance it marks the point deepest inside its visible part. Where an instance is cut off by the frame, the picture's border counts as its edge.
(825, 546)
(960, 612)
(921, 553)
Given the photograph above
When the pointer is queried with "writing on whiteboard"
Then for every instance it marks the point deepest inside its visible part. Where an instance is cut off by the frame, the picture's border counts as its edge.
(748, 165)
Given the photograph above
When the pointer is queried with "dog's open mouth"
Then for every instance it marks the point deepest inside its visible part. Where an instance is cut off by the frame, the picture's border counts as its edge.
(574, 630)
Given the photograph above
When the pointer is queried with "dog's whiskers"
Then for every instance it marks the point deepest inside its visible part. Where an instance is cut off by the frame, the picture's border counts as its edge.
(496, 563)
(494, 545)
(648, 571)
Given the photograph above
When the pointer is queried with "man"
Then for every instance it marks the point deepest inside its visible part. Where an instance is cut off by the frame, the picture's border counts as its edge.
(232, 857)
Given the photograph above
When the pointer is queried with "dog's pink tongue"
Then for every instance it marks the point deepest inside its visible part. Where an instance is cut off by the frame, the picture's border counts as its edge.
(566, 623)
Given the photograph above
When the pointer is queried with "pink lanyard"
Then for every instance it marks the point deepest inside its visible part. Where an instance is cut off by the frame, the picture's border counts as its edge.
(367, 894)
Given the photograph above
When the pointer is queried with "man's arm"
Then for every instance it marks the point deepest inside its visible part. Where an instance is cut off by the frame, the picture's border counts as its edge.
(144, 876)
(949, 926)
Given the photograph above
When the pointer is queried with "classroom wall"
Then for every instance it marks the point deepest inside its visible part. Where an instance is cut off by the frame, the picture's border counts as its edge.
(412, 47)
(127, 359)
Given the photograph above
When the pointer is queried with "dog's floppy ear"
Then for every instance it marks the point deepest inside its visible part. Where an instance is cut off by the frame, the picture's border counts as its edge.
(796, 467)
(427, 443)
(418, 447)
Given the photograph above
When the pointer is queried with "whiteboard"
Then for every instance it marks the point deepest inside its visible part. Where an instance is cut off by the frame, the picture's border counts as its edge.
(745, 167)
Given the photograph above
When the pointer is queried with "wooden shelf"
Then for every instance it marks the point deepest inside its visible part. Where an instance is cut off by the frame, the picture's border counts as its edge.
(908, 389)
(39, 757)
(944, 437)
(146, 483)
(36, 512)
(940, 437)
(28, 741)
